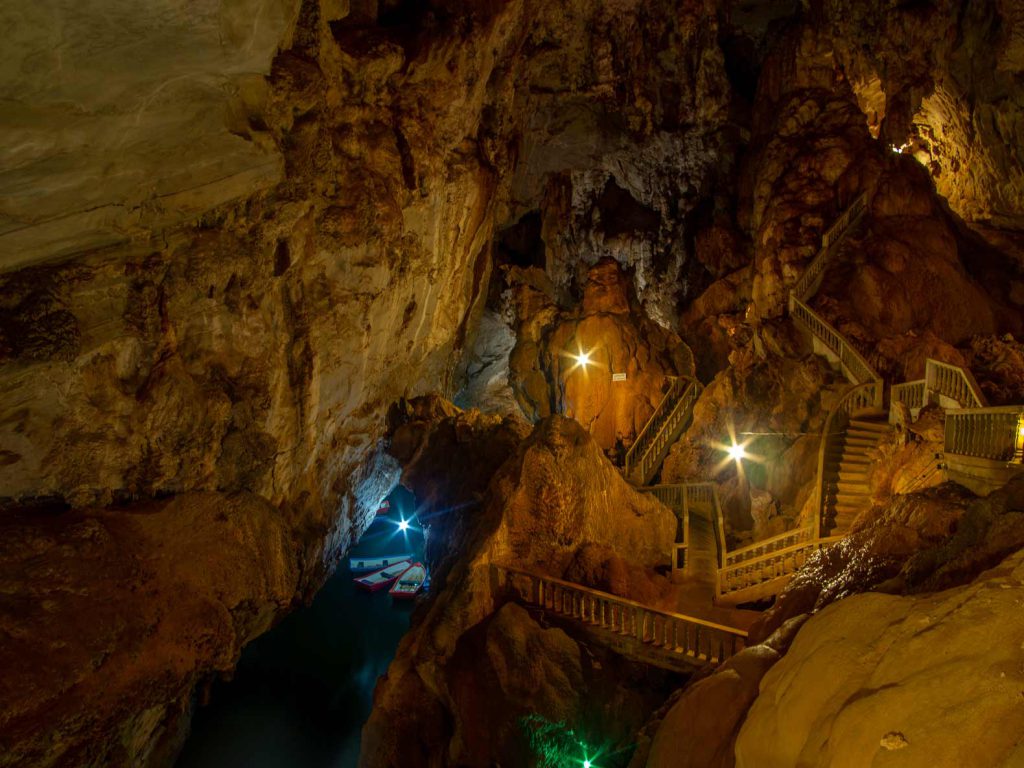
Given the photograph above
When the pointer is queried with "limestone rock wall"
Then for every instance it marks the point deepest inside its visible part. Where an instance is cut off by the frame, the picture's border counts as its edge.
(609, 327)
(909, 681)
(941, 81)
(110, 618)
(555, 499)
(279, 221)
(120, 119)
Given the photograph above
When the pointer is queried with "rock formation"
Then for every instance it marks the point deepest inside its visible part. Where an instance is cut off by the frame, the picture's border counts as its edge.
(616, 338)
(111, 617)
(555, 505)
(863, 682)
(878, 607)
(238, 241)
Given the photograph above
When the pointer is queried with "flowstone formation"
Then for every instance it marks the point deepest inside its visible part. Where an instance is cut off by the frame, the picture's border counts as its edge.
(598, 362)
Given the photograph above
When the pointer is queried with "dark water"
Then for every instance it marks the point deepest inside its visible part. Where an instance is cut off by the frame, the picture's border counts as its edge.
(302, 691)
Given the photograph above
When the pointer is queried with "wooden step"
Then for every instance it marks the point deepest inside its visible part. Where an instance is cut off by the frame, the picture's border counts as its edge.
(857, 491)
(846, 493)
(857, 453)
(851, 504)
(859, 443)
(864, 434)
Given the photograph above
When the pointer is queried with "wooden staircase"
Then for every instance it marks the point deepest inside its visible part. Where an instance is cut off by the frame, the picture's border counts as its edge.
(848, 462)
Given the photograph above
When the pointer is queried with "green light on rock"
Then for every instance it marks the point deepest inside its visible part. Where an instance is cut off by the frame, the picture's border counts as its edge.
(586, 764)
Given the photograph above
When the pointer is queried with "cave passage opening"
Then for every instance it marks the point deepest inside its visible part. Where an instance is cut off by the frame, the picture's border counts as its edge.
(303, 690)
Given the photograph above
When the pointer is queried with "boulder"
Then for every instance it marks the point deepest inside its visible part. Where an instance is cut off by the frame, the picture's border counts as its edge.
(878, 679)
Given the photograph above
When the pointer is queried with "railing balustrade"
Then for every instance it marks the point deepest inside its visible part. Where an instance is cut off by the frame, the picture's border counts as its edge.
(953, 382)
(706, 494)
(654, 441)
(913, 394)
(781, 555)
(845, 221)
(810, 281)
(856, 369)
(768, 546)
(769, 566)
(673, 636)
(674, 497)
(987, 433)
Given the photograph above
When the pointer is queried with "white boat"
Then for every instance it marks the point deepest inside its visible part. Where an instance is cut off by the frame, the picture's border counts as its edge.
(380, 579)
(409, 583)
(363, 564)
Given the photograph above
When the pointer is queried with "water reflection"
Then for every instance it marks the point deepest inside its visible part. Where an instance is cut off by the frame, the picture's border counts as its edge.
(302, 692)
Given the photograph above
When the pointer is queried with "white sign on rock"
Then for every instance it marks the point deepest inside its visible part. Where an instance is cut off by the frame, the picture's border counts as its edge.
(618, 377)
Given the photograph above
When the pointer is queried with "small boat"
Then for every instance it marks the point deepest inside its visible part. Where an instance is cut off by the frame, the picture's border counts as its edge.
(409, 583)
(363, 564)
(380, 579)
(384, 508)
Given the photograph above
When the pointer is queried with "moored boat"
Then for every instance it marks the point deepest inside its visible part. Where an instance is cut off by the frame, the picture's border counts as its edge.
(363, 564)
(409, 583)
(382, 578)
(384, 508)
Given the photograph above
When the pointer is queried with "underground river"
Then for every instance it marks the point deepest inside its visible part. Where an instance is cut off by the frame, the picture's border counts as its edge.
(302, 691)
